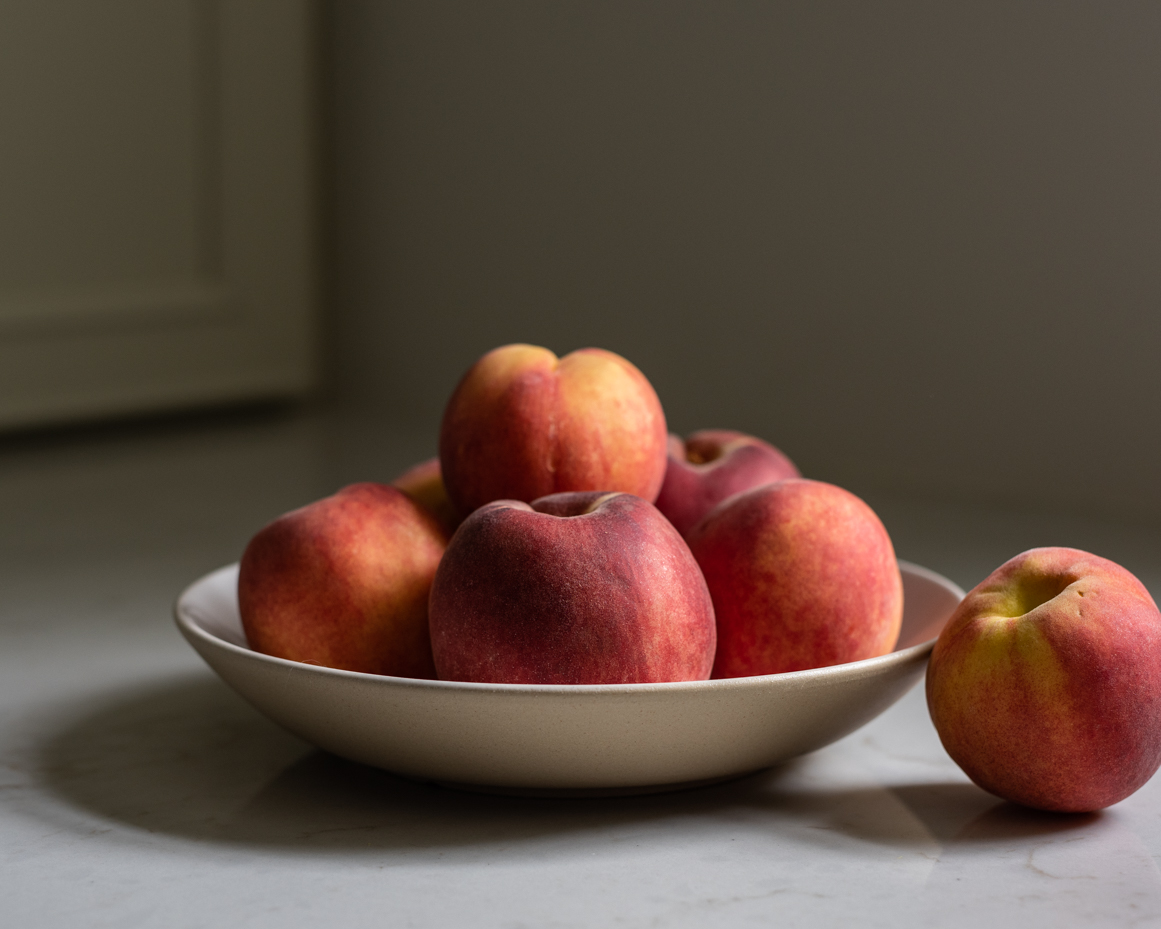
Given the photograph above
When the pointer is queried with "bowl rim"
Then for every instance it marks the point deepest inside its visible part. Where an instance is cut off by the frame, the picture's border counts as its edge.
(853, 670)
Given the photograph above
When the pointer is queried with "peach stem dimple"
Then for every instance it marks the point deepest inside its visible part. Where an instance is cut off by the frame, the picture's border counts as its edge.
(1037, 591)
(697, 453)
(592, 507)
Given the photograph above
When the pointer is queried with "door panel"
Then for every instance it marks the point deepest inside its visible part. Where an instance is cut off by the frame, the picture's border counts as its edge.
(157, 204)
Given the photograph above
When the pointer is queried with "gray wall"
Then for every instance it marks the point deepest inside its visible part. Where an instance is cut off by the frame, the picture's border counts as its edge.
(916, 245)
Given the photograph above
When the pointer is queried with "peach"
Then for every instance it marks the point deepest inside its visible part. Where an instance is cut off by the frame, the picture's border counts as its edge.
(423, 483)
(802, 575)
(576, 588)
(1045, 685)
(714, 464)
(344, 583)
(523, 424)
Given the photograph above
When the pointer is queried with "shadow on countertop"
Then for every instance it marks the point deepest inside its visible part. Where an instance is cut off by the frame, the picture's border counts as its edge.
(188, 758)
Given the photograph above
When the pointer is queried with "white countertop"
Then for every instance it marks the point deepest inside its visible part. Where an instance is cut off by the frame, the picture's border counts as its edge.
(137, 790)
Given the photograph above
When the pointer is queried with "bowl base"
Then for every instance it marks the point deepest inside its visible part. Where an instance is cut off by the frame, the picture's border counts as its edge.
(553, 793)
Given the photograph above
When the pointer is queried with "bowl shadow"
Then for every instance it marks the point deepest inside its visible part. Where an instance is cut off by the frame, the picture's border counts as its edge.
(187, 757)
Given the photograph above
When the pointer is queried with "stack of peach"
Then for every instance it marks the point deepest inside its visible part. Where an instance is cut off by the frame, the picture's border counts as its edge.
(563, 537)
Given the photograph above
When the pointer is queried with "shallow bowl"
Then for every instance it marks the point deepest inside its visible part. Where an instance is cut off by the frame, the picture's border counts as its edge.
(561, 739)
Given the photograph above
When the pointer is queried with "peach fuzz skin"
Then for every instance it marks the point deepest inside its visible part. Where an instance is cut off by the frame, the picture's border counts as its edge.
(423, 483)
(576, 588)
(344, 583)
(714, 464)
(1045, 685)
(523, 424)
(802, 575)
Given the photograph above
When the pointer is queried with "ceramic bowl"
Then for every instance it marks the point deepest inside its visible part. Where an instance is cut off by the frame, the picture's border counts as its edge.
(560, 739)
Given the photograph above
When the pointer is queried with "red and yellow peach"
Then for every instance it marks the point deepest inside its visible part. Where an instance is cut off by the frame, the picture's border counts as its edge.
(802, 575)
(344, 583)
(1045, 685)
(523, 424)
(423, 483)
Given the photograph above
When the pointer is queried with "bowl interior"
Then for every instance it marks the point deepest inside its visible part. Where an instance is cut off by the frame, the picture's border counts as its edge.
(210, 607)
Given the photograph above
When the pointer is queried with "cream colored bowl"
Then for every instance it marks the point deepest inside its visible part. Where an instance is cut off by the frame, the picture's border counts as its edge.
(615, 738)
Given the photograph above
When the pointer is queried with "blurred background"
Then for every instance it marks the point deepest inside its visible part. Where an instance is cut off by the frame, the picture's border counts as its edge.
(915, 246)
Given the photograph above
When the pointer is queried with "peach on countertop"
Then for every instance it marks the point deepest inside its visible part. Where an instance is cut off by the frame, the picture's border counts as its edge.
(1045, 685)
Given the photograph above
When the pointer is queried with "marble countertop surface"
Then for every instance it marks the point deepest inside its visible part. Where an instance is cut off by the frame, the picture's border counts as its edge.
(137, 790)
